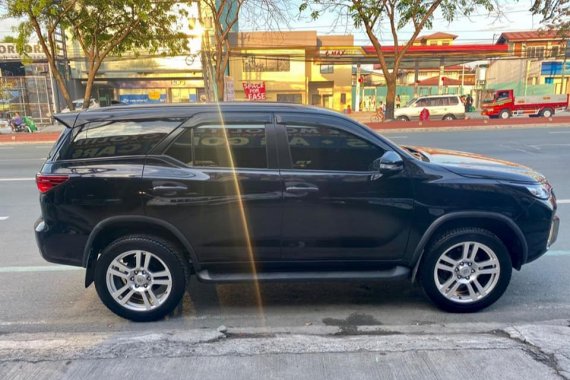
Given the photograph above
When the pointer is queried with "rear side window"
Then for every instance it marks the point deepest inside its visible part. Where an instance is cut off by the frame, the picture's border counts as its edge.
(118, 138)
(453, 100)
(220, 146)
(324, 148)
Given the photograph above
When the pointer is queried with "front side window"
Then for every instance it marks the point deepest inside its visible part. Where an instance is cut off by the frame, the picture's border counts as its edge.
(240, 146)
(324, 148)
(118, 138)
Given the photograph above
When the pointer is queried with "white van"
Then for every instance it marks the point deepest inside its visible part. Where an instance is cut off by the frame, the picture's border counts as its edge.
(442, 107)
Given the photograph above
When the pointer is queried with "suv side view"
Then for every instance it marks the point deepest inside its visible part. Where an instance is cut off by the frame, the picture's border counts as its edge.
(443, 107)
(145, 196)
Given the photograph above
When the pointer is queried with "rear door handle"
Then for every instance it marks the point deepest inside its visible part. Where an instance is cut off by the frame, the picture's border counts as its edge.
(302, 189)
(169, 189)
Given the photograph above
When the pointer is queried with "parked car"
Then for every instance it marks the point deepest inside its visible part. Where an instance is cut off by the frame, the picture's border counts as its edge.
(442, 107)
(78, 105)
(279, 192)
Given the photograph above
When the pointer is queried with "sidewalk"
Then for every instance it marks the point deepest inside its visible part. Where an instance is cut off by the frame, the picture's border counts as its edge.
(466, 351)
(46, 134)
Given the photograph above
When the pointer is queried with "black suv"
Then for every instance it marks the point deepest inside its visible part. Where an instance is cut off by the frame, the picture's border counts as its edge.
(145, 196)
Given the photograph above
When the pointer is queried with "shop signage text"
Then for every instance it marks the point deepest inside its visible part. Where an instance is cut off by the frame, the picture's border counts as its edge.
(254, 91)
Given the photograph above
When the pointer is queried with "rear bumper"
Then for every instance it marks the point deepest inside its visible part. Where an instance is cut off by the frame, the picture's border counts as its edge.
(56, 248)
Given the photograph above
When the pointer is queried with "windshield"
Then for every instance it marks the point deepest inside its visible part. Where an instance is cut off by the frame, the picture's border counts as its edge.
(410, 102)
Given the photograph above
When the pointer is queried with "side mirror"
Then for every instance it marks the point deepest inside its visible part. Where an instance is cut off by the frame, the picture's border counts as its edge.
(389, 163)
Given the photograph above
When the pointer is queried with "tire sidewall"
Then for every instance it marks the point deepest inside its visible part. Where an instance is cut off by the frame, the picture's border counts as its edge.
(504, 112)
(165, 253)
(435, 252)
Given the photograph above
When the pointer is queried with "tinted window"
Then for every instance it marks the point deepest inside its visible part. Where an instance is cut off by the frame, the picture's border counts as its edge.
(453, 100)
(118, 138)
(208, 146)
(323, 148)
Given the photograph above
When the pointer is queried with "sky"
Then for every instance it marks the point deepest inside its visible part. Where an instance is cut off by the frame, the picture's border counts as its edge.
(479, 28)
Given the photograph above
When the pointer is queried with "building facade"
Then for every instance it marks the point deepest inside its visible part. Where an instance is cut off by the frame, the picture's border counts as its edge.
(536, 64)
(287, 66)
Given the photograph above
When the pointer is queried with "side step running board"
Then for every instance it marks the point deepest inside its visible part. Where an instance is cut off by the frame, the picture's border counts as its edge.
(392, 273)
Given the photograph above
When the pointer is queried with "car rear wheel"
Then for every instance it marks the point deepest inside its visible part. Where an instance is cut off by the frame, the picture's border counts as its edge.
(505, 114)
(466, 270)
(402, 118)
(449, 117)
(547, 112)
(140, 277)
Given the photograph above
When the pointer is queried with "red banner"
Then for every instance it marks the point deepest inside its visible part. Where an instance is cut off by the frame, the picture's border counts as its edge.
(254, 91)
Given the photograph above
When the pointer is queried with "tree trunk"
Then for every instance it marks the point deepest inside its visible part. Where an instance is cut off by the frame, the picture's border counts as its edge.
(220, 83)
(61, 85)
(390, 95)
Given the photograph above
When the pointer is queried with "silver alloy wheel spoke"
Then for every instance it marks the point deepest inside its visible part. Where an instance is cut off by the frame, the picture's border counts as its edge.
(447, 268)
(488, 271)
(116, 294)
(138, 259)
(472, 293)
(447, 283)
(480, 289)
(448, 260)
(147, 304)
(120, 266)
(453, 289)
(471, 264)
(139, 291)
(147, 257)
(153, 298)
(126, 298)
(119, 274)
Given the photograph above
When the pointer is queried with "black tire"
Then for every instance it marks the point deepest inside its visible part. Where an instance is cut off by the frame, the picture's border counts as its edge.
(504, 114)
(164, 258)
(403, 118)
(449, 244)
(448, 117)
(547, 112)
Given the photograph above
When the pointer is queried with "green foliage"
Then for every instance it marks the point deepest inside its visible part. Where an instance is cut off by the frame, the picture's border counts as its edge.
(555, 14)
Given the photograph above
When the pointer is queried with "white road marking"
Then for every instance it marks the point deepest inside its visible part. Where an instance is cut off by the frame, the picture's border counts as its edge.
(43, 268)
(4, 218)
(558, 253)
(563, 201)
(23, 323)
(398, 137)
(558, 132)
(16, 179)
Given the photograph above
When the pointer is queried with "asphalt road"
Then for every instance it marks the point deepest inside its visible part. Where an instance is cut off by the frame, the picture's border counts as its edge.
(40, 297)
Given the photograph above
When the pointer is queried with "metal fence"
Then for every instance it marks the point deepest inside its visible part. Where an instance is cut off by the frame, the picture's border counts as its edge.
(29, 95)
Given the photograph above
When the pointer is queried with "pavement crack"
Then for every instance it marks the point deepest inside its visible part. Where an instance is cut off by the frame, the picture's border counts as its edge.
(535, 352)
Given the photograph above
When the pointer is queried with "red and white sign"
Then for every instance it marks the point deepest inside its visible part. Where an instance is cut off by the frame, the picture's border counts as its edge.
(254, 91)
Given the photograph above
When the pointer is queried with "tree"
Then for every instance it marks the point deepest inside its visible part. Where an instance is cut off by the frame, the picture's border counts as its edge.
(224, 14)
(102, 28)
(555, 14)
(398, 14)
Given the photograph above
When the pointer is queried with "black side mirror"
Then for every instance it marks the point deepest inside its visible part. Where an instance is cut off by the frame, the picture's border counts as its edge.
(389, 163)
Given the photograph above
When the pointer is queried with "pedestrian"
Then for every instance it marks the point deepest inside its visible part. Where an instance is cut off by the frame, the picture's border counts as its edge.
(469, 102)
(424, 115)
(398, 101)
(16, 122)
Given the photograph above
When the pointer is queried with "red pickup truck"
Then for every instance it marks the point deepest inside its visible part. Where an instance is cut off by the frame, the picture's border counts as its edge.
(505, 105)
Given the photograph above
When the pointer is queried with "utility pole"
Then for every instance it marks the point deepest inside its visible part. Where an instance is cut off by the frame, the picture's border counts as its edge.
(357, 101)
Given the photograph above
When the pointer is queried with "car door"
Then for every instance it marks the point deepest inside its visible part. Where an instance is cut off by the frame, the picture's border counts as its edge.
(336, 209)
(218, 183)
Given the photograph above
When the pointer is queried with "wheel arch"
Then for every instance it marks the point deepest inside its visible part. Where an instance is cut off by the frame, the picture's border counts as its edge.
(112, 228)
(502, 226)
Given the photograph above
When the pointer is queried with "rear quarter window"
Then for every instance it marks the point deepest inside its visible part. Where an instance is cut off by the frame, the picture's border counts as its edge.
(117, 138)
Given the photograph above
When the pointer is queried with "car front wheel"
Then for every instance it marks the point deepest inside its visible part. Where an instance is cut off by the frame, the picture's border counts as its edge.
(466, 270)
(140, 277)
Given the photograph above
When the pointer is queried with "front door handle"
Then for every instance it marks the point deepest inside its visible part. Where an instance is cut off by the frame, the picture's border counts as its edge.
(302, 189)
(162, 189)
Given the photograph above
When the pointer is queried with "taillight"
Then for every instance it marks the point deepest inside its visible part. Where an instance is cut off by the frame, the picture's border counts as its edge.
(48, 182)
